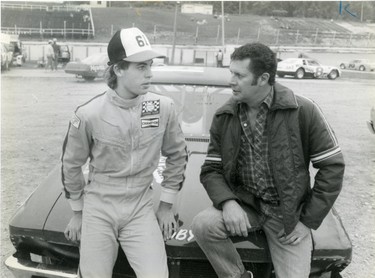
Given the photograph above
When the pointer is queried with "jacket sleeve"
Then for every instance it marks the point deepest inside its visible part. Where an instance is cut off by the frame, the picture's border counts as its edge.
(175, 151)
(212, 172)
(76, 149)
(325, 155)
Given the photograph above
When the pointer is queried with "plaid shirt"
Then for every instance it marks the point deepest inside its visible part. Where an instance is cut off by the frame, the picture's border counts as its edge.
(253, 160)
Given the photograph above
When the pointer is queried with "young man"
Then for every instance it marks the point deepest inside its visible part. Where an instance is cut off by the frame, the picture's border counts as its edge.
(122, 132)
(257, 169)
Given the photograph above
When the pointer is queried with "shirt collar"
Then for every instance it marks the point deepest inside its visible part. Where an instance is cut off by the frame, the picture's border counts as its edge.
(267, 101)
(269, 98)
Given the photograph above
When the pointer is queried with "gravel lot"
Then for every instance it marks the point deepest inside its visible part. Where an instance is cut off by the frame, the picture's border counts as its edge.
(36, 106)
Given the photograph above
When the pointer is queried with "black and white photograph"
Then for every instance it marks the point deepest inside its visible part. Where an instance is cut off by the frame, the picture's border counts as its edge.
(187, 139)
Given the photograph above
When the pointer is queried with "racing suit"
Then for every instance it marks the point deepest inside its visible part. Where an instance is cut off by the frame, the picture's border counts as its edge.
(123, 140)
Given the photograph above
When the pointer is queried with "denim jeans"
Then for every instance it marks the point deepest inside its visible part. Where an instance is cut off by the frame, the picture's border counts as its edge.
(290, 261)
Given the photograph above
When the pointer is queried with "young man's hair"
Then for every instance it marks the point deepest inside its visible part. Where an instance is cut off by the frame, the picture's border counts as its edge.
(110, 75)
(262, 58)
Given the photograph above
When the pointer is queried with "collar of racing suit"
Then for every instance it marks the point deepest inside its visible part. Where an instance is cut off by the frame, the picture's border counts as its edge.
(121, 102)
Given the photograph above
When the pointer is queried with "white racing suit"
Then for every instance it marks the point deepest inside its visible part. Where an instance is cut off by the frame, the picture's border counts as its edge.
(123, 140)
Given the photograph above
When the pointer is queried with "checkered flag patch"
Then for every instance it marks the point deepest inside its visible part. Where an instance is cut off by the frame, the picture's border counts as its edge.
(150, 107)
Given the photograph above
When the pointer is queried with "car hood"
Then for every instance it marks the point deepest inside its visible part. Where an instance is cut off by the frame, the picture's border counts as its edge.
(47, 218)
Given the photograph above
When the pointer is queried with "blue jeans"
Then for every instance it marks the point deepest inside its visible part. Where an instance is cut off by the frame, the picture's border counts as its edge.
(290, 261)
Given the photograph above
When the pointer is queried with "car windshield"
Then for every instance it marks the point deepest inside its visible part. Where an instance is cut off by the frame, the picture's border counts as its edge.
(64, 48)
(195, 105)
(96, 59)
(313, 63)
(290, 61)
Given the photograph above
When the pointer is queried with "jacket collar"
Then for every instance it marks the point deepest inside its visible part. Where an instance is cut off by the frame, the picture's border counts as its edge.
(283, 98)
(121, 102)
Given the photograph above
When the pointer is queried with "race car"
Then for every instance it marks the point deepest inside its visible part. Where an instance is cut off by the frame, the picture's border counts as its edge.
(359, 64)
(303, 67)
(92, 67)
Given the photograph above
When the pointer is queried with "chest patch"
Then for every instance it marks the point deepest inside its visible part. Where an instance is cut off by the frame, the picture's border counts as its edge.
(150, 107)
(152, 122)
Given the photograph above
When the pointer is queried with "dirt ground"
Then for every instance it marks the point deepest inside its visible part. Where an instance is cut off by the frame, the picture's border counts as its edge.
(37, 105)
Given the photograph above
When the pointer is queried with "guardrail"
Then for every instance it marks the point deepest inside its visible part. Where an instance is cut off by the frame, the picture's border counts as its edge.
(42, 7)
(61, 32)
(31, 31)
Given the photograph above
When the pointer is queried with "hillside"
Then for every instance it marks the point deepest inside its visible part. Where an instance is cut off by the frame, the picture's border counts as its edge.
(209, 28)
(157, 23)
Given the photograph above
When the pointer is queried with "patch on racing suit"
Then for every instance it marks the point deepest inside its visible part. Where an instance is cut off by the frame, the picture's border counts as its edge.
(75, 121)
(150, 107)
(151, 122)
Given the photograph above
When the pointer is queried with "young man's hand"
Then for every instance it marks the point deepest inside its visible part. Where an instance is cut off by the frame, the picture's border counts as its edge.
(235, 219)
(167, 222)
(73, 230)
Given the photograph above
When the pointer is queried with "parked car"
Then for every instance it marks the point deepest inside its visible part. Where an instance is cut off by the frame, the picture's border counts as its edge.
(6, 57)
(64, 54)
(305, 67)
(359, 64)
(36, 230)
(89, 68)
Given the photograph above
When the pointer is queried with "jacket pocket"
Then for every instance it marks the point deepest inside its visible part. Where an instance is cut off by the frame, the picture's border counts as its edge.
(150, 136)
(109, 153)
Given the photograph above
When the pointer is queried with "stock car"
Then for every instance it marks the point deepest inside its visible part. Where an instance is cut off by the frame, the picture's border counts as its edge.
(359, 64)
(305, 67)
(36, 230)
(92, 67)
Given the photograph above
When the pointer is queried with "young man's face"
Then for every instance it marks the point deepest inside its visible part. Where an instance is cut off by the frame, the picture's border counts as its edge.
(136, 79)
(244, 84)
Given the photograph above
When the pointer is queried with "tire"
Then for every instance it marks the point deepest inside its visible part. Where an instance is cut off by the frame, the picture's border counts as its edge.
(362, 68)
(300, 73)
(88, 78)
(342, 66)
(333, 75)
(280, 75)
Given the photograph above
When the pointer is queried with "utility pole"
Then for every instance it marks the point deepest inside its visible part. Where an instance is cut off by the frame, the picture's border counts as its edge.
(361, 11)
(222, 26)
(174, 32)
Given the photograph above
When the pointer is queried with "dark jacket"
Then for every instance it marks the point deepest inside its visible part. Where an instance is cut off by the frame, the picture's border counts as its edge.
(298, 134)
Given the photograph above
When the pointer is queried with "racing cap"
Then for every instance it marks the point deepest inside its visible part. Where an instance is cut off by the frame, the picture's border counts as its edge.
(130, 45)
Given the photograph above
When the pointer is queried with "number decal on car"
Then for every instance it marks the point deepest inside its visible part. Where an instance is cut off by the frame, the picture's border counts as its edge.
(183, 234)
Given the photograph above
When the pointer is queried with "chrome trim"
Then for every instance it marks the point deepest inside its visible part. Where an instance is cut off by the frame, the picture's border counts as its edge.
(22, 271)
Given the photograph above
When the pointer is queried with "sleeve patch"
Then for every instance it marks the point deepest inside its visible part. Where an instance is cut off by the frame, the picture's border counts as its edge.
(75, 121)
